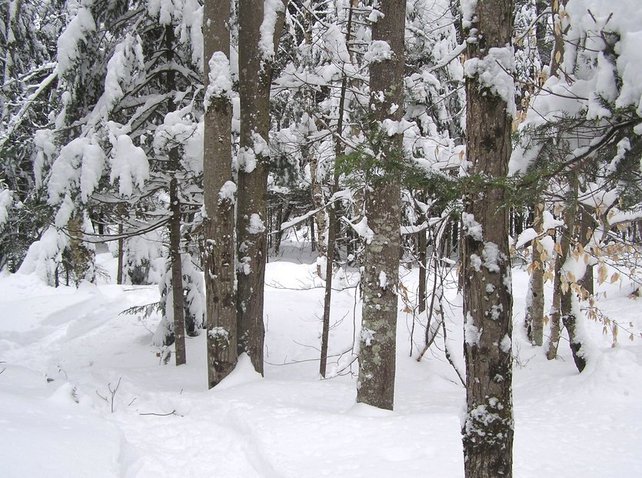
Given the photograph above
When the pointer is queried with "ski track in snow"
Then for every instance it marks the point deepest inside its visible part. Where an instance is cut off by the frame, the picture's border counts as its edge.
(290, 424)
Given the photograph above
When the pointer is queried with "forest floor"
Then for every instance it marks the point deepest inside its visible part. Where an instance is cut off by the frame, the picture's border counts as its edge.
(83, 393)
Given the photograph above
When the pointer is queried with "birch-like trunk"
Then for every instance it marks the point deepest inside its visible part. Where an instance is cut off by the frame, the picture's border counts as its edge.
(535, 296)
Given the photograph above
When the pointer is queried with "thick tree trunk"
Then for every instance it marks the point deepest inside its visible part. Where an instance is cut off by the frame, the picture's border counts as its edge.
(535, 300)
(255, 73)
(488, 427)
(219, 247)
(383, 209)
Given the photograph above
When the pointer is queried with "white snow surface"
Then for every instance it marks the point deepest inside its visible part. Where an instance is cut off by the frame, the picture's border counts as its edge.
(62, 350)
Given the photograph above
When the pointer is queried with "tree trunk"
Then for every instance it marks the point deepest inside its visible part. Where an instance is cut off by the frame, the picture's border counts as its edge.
(422, 246)
(567, 310)
(255, 74)
(535, 300)
(488, 427)
(177, 270)
(333, 221)
(219, 247)
(175, 218)
(554, 339)
(121, 255)
(383, 208)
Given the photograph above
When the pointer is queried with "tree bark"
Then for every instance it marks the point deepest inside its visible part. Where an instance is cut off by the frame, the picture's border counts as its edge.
(488, 427)
(177, 271)
(567, 311)
(535, 300)
(219, 247)
(255, 76)
(380, 275)
(175, 217)
(333, 222)
(554, 339)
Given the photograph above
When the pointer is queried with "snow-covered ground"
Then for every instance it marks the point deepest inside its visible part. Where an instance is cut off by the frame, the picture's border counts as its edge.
(68, 358)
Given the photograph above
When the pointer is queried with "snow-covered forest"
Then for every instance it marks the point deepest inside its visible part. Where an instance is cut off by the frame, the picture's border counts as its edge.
(307, 238)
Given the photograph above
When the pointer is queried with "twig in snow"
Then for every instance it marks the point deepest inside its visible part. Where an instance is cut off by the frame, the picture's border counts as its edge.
(173, 412)
(112, 393)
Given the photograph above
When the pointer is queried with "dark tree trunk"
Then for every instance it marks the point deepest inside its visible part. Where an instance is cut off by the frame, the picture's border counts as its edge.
(121, 254)
(488, 427)
(255, 73)
(219, 246)
(177, 271)
(333, 221)
(175, 217)
(383, 209)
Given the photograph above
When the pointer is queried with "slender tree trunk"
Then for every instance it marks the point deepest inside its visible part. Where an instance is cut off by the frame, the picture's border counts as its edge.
(554, 339)
(535, 300)
(175, 218)
(177, 271)
(219, 192)
(333, 221)
(488, 427)
(255, 74)
(121, 256)
(383, 208)
(558, 35)
(567, 298)
(422, 246)
(317, 202)
(585, 234)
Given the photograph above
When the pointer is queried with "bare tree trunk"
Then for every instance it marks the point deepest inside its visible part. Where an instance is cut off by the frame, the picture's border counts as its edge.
(255, 75)
(121, 255)
(535, 299)
(333, 221)
(558, 34)
(566, 297)
(380, 275)
(219, 247)
(317, 202)
(554, 339)
(488, 427)
(175, 218)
